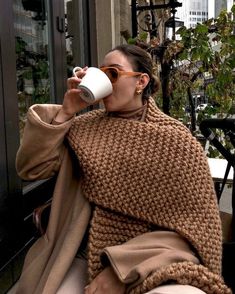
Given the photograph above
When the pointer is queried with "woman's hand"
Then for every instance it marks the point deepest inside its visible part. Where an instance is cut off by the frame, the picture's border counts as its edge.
(72, 103)
(105, 283)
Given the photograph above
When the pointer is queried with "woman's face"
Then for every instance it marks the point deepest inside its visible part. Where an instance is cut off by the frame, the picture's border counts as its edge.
(123, 97)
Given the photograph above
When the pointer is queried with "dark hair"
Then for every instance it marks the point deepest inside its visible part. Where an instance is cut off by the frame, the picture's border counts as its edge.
(142, 62)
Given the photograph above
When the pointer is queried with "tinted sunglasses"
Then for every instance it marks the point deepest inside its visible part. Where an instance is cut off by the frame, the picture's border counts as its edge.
(114, 73)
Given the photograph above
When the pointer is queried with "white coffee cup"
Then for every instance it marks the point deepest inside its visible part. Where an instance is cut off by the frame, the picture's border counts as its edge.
(95, 85)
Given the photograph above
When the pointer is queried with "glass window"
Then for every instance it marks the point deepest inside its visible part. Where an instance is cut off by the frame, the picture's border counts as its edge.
(69, 38)
(32, 64)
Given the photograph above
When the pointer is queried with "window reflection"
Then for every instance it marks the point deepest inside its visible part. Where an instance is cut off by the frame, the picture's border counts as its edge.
(31, 36)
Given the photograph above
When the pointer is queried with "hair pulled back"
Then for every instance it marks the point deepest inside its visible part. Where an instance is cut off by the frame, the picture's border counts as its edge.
(142, 62)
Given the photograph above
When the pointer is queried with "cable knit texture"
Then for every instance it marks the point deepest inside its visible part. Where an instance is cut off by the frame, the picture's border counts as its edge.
(144, 174)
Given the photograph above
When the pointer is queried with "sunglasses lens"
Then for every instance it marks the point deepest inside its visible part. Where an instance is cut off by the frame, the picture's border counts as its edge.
(112, 74)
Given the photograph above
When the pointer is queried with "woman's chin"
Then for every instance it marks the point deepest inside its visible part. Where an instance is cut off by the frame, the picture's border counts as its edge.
(108, 104)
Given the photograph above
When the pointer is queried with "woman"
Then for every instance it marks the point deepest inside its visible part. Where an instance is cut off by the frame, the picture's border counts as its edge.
(139, 212)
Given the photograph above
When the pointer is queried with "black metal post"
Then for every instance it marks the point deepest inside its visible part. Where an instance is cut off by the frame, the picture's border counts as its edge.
(173, 11)
(134, 18)
(154, 27)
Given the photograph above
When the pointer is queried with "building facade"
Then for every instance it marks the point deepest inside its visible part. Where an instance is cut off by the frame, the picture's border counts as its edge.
(193, 12)
(198, 11)
(222, 5)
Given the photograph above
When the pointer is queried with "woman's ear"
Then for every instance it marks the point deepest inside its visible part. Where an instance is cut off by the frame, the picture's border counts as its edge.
(143, 81)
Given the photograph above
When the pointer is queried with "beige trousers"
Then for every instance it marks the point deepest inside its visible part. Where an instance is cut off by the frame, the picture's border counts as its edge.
(76, 279)
(176, 289)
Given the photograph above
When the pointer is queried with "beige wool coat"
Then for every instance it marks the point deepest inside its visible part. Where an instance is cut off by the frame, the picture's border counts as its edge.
(43, 154)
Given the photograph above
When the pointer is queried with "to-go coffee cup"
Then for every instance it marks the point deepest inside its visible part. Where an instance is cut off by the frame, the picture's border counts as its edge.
(95, 85)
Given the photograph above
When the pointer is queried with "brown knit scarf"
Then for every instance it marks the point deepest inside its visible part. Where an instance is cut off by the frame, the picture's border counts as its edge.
(143, 175)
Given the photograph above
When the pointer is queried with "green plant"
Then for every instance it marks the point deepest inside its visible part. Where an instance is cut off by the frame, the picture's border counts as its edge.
(42, 69)
(203, 60)
(33, 78)
(215, 57)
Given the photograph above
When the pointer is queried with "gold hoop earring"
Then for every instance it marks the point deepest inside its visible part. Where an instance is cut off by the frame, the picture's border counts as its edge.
(138, 91)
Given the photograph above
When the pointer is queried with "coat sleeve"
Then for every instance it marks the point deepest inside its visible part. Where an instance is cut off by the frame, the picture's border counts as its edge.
(134, 260)
(42, 147)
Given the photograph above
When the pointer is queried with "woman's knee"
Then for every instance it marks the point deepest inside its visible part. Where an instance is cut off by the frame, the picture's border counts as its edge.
(176, 289)
(76, 278)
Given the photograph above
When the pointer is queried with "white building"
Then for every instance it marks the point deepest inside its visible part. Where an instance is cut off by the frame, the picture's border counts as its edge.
(193, 12)
(215, 6)
(197, 11)
(230, 4)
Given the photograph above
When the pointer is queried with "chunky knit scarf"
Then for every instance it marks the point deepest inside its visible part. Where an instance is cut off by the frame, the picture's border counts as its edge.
(144, 175)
